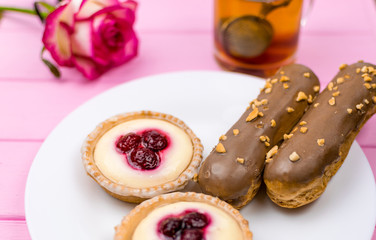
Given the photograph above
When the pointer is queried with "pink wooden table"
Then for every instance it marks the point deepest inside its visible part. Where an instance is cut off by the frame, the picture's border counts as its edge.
(173, 36)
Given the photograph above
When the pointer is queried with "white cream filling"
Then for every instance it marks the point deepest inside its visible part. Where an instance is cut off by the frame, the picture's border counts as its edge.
(222, 225)
(175, 158)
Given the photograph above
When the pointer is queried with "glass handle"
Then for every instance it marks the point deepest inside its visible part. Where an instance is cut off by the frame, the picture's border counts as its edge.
(307, 12)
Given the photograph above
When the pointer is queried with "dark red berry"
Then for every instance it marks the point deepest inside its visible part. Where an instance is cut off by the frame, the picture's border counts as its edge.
(154, 140)
(170, 227)
(143, 158)
(128, 142)
(192, 234)
(195, 220)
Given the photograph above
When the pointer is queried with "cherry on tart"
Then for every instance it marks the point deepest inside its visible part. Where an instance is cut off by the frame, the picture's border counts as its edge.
(183, 216)
(139, 155)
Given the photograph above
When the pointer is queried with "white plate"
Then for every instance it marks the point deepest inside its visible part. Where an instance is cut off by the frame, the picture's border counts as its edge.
(62, 202)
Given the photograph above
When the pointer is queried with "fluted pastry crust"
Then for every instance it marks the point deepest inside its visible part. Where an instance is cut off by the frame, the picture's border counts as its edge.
(137, 195)
(125, 229)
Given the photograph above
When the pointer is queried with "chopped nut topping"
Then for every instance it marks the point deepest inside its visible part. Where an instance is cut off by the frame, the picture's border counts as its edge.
(302, 123)
(310, 99)
(267, 139)
(367, 79)
(321, 142)
(220, 148)
(332, 101)
(290, 110)
(260, 125)
(316, 88)
(240, 160)
(262, 138)
(307, 74)
(364, 75)
(330, 86)
(287, 136)
(273, 123)
(284, 79)
(342, 66)
(285, 86)
(223, 137)
(367, 85)
(370, 69)
(374, 99)
(268, 160)
(267, 144)
(294, 130)
(361, 61)
(272, 151)
(261, 114)
(349, 110)
(357, 70)
(335, 94)
(316, 104)
(347, 76)
(252, 115)
(303, 129)
(301, 96)
(373, 85)
(340, 80)
(235, 131)
(335, 88)
(268, 85)
(195, 177)
(294, 157)
(268, 90)
(366, 101)
(359, 106)
(258, 103)
(364, 69)
(274, 80)
(282, 72)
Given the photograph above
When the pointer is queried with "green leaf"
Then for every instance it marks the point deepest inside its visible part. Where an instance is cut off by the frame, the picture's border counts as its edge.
(47, 6)
(53, 69)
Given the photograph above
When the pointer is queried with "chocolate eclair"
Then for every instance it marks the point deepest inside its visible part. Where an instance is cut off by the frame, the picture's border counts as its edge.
(299, 171)
(233, 169)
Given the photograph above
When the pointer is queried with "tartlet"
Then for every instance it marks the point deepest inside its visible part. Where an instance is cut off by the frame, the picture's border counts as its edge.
(138, 155)
(176, 215)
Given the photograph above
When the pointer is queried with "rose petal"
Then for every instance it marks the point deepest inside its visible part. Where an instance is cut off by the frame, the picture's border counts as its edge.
(81, 39)
(56, 36)
(129, 4)
(91, 7)
(88, 68)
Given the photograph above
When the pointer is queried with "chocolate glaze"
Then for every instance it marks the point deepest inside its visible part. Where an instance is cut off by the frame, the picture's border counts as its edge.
(235, 181)
(336, 124)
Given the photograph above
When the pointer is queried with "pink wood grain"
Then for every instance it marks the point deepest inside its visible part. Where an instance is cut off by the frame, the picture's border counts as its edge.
(14, 230)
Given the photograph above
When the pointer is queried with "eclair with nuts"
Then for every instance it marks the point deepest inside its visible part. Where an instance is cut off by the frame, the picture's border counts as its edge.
(300, 170)
(233, 169)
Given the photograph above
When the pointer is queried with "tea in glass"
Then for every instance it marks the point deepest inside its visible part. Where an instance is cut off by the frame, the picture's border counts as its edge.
(256, 36)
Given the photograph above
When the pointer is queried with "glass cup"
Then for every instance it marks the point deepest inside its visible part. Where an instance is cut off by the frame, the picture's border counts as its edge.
(256, 36)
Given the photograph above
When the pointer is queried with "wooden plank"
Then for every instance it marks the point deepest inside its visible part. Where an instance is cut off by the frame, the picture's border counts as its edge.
(159, 52)
(15, 162)
(14, 230)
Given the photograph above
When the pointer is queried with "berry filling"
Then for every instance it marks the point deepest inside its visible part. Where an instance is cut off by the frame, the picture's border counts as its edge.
(142, 149)
(189, 225)
(143, 158)
(154, 140)
(128, 142)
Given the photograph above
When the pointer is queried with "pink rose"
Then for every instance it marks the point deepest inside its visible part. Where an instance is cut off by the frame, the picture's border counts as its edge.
(93, 36)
